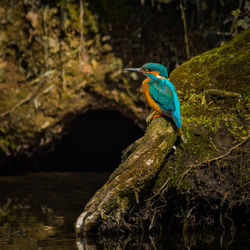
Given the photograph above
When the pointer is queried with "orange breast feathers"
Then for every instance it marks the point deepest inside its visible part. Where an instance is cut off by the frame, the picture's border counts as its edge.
(151, 102)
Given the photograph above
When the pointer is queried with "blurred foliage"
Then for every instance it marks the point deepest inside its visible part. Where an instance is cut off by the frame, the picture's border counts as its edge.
(41, 43)
(136, 31)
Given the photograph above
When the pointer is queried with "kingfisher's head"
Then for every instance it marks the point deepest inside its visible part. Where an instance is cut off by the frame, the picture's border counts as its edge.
(151, 68)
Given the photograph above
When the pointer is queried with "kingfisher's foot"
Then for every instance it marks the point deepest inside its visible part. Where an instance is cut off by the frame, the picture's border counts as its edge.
(156, 116)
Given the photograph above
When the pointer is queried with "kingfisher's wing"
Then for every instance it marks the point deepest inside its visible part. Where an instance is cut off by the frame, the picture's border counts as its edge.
(162, 94)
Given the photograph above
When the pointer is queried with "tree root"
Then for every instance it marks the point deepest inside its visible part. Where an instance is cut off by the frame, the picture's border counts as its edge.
(113, 200)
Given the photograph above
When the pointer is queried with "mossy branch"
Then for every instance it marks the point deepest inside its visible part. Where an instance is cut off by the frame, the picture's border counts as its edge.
(221, 93)
(217, 92)
(111, 202)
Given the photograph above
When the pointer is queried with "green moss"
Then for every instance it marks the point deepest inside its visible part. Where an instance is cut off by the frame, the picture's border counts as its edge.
(231, 59)
(221, 68)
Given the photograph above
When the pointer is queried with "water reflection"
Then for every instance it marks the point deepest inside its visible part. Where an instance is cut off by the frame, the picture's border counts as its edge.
(37, 211)
(167, 241)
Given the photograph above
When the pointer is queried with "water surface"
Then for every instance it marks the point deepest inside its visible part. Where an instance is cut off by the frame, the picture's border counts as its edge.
(38, 211)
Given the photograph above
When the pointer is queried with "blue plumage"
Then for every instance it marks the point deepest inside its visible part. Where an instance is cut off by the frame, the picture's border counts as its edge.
(164, 94)
(157, 67)
(159, 91)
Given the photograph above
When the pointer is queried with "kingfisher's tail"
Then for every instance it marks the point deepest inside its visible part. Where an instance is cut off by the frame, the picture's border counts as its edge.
(177, 120)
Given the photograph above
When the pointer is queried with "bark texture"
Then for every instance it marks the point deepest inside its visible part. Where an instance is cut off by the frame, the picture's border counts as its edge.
(109, 205)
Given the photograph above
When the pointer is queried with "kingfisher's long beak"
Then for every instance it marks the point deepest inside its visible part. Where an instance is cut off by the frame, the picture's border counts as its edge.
(133, 70)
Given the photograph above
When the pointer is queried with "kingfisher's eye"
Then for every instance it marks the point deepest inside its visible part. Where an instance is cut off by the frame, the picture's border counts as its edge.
(148, 69)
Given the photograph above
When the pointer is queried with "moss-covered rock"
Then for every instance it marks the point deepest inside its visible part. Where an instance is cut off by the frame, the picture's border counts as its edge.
(202, 184)
(210, 172)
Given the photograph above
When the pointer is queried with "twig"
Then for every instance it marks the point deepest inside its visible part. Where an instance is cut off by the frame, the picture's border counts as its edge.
(23, 101)
(46, 44)
(189, 212)
(30, 96)
(226, 154)
(152, 221)
(211, 140)
(234, 26)
(235, 191)
(184, 19)
(211, 160)
(217, 92)
(222, 93)
(84, 65)
(81, 46)
(152, 242)
(160, 189)
(227, 196)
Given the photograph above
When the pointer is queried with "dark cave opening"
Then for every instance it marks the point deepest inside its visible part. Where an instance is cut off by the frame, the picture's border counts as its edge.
(95, 143)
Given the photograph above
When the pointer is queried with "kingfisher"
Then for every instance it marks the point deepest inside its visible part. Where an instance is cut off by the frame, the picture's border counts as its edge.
(159, 91)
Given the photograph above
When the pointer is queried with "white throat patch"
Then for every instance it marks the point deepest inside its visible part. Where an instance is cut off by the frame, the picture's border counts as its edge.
(160, 77)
